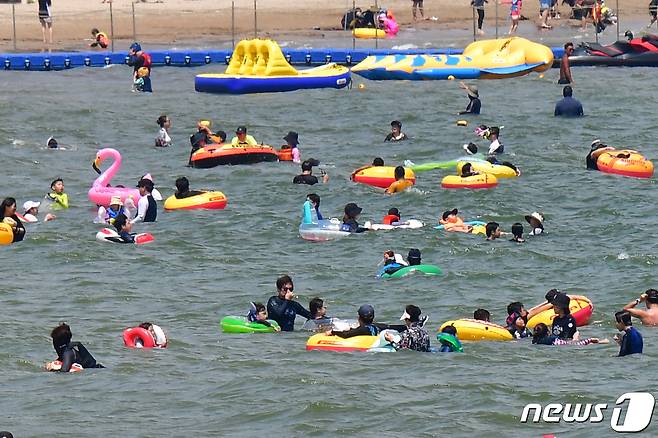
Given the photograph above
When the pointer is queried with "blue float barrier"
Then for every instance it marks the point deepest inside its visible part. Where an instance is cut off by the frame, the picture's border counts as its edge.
(64, 60)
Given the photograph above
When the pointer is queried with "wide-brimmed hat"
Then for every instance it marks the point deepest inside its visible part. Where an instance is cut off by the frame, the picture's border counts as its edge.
(292, 137)
(116, 200)
(535, 215)
(471, 148)
(352, 209)
(472, 90)
(30, 204)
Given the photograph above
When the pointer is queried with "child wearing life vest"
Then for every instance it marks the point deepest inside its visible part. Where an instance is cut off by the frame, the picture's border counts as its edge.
(101, 39)
(59, 200)
(258, 314)
(392, 263)
(392, 217)
(516, 320)
(109, 214)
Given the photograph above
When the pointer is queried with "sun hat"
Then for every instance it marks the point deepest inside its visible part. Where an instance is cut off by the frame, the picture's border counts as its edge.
(472, 90)
(30, 204)
(535, 215)
(352, 209)
(116, 200)
(292, 137)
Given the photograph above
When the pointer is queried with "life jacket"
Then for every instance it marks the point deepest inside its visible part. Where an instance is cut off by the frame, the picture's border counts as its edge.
(390, 218)
(102, 40)
(111, 214)
(147, 60)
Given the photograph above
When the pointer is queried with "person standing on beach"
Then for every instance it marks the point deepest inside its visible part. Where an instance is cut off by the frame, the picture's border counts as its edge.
(565, 67)
(479, 6)
(46, 20)
(417, 4)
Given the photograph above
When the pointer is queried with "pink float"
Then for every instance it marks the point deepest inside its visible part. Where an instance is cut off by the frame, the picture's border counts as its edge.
(100, 193)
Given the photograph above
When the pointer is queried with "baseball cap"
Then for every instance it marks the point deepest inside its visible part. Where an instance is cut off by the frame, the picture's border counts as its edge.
(366, 311)
(241, 130)
(352, 209)
(30, 204)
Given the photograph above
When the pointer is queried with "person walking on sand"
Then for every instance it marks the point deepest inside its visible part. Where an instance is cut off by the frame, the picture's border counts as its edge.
(565, 67)
(46, 20)
(479, 7)
(417, 4)
(515, 15)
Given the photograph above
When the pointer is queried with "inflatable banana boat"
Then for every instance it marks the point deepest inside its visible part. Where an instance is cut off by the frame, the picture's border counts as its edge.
(321, 341)
(258, 66)
(480, 181)
(625, 162)
(6, 234)
(380, 176)
(217, 155)
(240, 324)
(424, 269)
(581, 309)
(487, 59)
(476, 330)
(109, 235)
(497, 170)
(206, 200)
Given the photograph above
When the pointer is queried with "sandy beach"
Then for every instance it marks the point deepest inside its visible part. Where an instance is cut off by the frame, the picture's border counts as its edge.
(204, 23)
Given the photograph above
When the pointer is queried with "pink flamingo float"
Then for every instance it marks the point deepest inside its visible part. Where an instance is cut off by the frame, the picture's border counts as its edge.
(100, 193)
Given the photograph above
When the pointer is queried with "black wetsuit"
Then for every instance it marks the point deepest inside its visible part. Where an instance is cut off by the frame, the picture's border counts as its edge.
(152, 210)
(352, 226)
(473, 106)
(362, 330)
(564, 327)
(284, 312)
(19, 232)
(75, 352)
(305, 179)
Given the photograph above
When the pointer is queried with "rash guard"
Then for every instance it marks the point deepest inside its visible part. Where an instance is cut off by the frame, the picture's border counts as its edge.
(284, 312)
(631, 342)
(75, 352)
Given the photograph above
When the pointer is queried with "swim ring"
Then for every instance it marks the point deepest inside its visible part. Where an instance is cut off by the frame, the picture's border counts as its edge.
(322, 231)
(581, 309)
(626, 163)
(226, 154)
(480, 181)
(448, 339)
(443, 164)
(6, 234)
(321, 341)
(57, 365)
(206, 200)
(109, 235)
(497, 170)
(101, 192)
(131, 335)
(476, 330)
(240, 324)
(478, 227)
(380, 176)
(425, 269)
(368, 32)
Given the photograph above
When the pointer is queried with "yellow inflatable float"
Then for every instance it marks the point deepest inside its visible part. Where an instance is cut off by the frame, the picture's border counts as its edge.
(480, 181)
(206, 200)
(580, 307)
(476, 330)
(368, 32)
(6, 234)
(321, 341)
(487, 59)
(625, 162)
(497, 170)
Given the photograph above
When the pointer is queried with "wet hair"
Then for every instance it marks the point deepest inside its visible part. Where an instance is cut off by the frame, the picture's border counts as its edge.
(259, 307)
(146, 325)
(517, 230)
(182, 184)
(378, 161)
(146, 183)
(494, 130)
(396, 124)
(652, 296)
(514, 307)
(567, 45)
(450, 329)
(399, 172)
(161, 120)
(314, 305)
(56, 180)
(466, 168)
(282, 281)
(6, 203)
(482, 315)
(120, 221)
(540, 331)
(61, 334)
(95, 31)
(624, 317)
(307, 165)
(491, 228)
(221, 135)
(567, 91)
(551, 294)
(314, 198)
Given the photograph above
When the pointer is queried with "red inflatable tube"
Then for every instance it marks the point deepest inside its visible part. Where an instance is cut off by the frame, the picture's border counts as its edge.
(131, 335)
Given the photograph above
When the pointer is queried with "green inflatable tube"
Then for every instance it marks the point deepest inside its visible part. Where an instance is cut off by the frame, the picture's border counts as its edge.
(447, 338)
(239, 324)
(445, 164)
(425, 269)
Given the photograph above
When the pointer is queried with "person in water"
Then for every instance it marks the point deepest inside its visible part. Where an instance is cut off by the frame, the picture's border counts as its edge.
(159, 337)
(307, 177)
(140, 80)
(452, 222)
(317, 309)
(492, 230)
(138, 59)
(568, 106)
(100, 39)
(147, 209)
(201, 138)
(282, 308)
(115, 208)
(242, 138)
(541, 336)
(564, 324)
(292, 142)
(8, 216)
(467, 170)
(649, 316)
(51, 143)
(378, 162)
(314, 199)
(350, 224)
(496, 147)
(59, 200)
(396, 133)
(124, 227)
(400, 184)
(536, 221)
(31, 212)
(449, 341)
(596, 149)
(470, 148)
(69, 353)
(631, 340)
(517, 318)
(474, 103)
(393, 217)
(366, 316)
(183, 189)
(392, 263)
(415, 337)
(414, 257)
(163, 140)
(565, 66)
(258, 314)
(517, 233)
(482, 315)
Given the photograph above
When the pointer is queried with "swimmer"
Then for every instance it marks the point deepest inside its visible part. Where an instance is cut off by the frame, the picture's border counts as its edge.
(392, 263)
(68, 352)
(470, 148)
(307, 177)
(100, 39)
(517, 317)
(415, 337)
(140, 79)
(449, 341)
(631, 341)
(183, 189)
(31, 211)
(51, 143)
(393, 218)
(492, 230)
(147, 209)
(414, 257)
(596, 149)
(109, 214)
(282, 308)
(163, 140)
(124, 227)
(474, 103)
(366, 316)
(258, 314)
(496, 147)
(517, 233)
(9, 217)
(451, 222)
(649, 316)
(542, 336)
(396, 133)
(242, 138)
(57, 197)
(400, 184)
(292, 140)
(564, 324)
(314, 199)
(159, 337)
(536, 221)
(482, 315)
(378, 162)
(350, 224)
(318, 309)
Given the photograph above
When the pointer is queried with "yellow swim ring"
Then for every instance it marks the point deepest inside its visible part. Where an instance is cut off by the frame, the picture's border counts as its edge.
(6, 234)
(497, 170)
(476, 330)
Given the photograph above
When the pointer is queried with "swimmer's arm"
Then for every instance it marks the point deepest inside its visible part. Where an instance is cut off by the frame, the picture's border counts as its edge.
(638, 313)
(67, 361)
(632, 304)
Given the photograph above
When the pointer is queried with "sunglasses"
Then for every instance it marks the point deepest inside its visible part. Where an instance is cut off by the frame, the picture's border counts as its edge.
(290, 288)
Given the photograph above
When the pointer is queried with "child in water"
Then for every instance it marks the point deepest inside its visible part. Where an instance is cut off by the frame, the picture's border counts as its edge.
(292, 140)
(59, 200)
(542, 336)
(452, 222)
(163, 140)
(517, 233)
(109, 214)
(123, 226)
(516, 320)
(449, 341)
(69, 353)
(140, 79)
(631, 341)
(258, 314)
(31, 212)
(159, 337)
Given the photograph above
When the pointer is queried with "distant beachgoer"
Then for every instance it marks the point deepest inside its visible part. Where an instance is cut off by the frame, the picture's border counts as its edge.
(51, 143)
(307, 177)
(31, 212)
(140, 81)
(479, 7)
(242, 138)
(201, 138)
(565, 66)
(414, 257)
(147, 209)
(492, 230)
(467, 170)
(515, 15)
(536, 221)
(649, 316)
(474, 103)
(449, 341)
(9, 217)
(163, 140)
(631, 341)
(396, 133)
(568, 106)
(46, 20)
(258, 314)
(653, 11)
(564, 324)
(596, 149)
(100, 39)
(544, 10)
(417, 5)
(451, 222)
(314, 199)
(292, 140)
(517, 233)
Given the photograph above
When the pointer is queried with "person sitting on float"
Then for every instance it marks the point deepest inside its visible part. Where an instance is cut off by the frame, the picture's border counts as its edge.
(258, 315)
(242, 138)
(183, 189)
(350, 224)
(366, 316)
(467, 170)
(393, 262)
(452, 222)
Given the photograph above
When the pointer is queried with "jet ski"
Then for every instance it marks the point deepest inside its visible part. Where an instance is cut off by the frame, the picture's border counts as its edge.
(636, 52)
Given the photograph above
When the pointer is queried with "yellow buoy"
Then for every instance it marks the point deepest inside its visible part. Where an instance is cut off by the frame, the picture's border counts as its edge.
(451, 77)
(361, 87)
(541, 76)
(462, 123)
